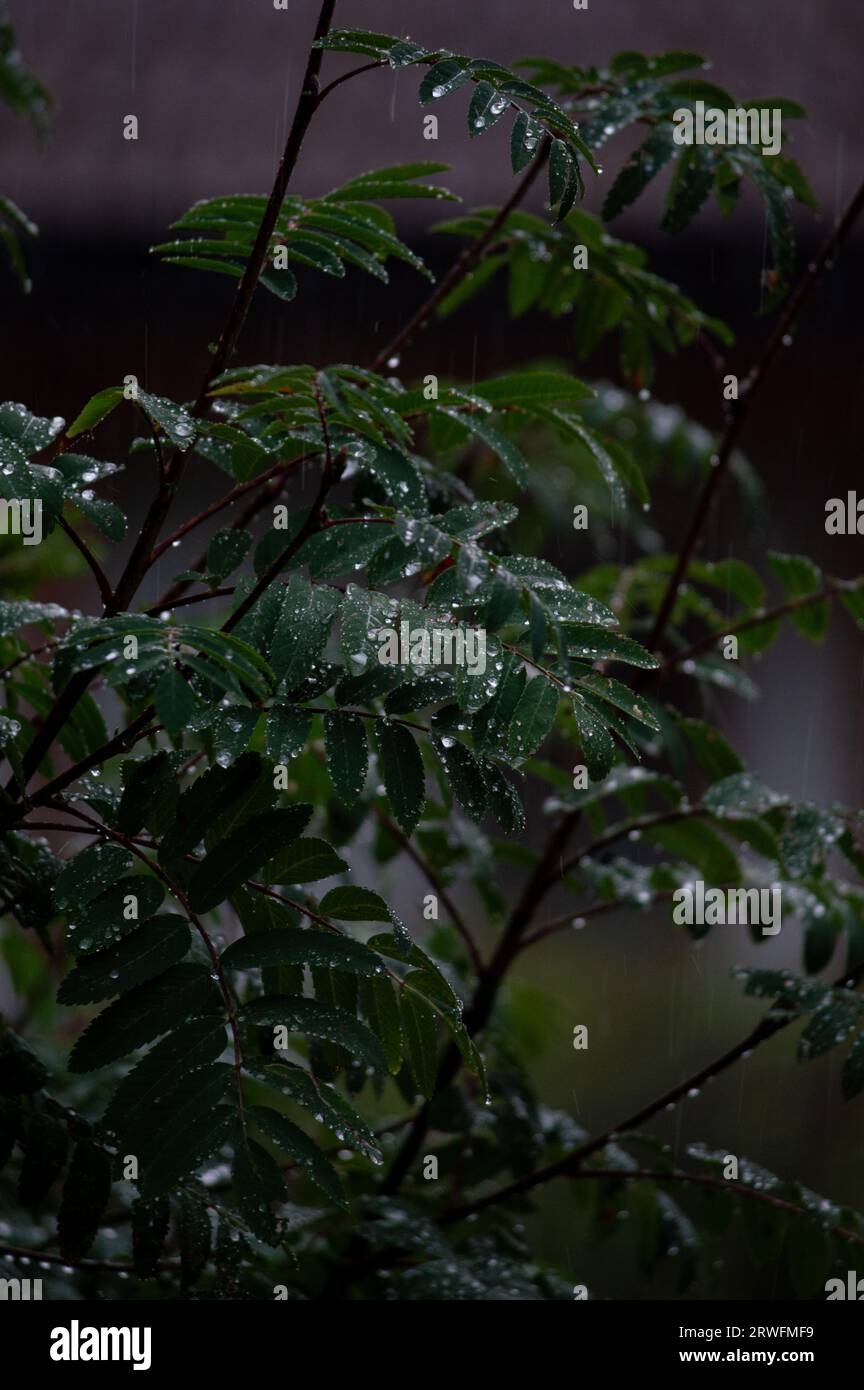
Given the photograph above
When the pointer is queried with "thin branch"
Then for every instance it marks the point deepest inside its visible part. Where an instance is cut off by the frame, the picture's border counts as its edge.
(833, 589)
(263, 495)
(639, 823)
(464, 264)
(226, 500)
(740, 409)
(738, 1189)
(82, 546)
(346, 77)
(39, 1257)
(571, 1164)
(138, 562)
(543, 876)
(312, 524)
(434, 878)
(582, 914)
(189, 599)
(120, 743)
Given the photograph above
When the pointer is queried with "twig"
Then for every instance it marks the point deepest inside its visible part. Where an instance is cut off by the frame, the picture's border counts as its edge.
(346, 77)
(82, 546)
(39, 1257)
(833, 589)
(572, 1163)
(740, 409)
(463, 264)
(542, 878)
(436, 882)
(738, 1189)
(139, 559)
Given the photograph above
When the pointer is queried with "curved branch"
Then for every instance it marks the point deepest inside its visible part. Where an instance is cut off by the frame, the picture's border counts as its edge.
(84, 549)
(739, 1189)
(833, 589)
(740, 410)
(571, 1164)
(463, 264)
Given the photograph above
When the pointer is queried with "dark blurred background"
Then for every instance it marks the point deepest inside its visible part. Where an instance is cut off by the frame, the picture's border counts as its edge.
(213, 86)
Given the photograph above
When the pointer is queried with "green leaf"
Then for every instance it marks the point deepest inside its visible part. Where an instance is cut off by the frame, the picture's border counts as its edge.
(504, 800)
(149, 791)
(740, 794)
(830, 1024)
(187, 1050)
(258, 1185)
(442, 78)
(710, 749)
(316, 1020)
(352, 904)
(696, 843)
(523, 141)
(640, 169)
(305, 861)
(347, 755)
(149, 1232)
(174, 421)
(177, 1109)
(175, 701)
(21, 612)
(156, 945)
(464, 774)
(401, 766)
(107, 917)
(301, 629)
(690, 187)
(597, 747)
(381, 1007)
(322, 1101)
(531, 388)
(144, 1014)
(85, 1197)
(533, 717)
(87, 875)
(300, 1149)
(614, 693)
(185, 1149)
(800, 576)
(287, 732)
(485, 110)
(509, 453)
(228, 788)
(420, 1030)
(588, 643)
(193, 1234)
(95, 410)
(292, 946)
(247, 849)
(45, 1150)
